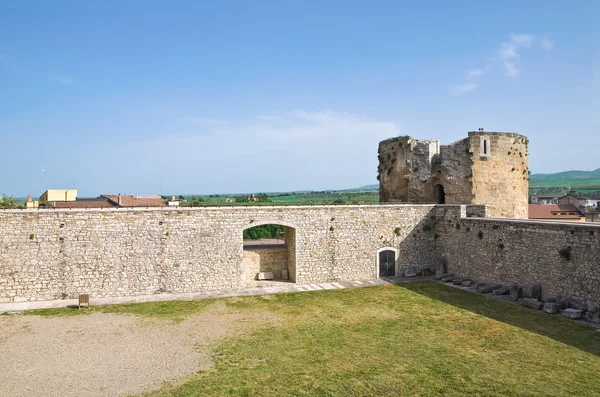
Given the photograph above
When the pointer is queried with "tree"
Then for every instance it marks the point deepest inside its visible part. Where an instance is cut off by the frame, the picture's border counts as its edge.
(8, 201)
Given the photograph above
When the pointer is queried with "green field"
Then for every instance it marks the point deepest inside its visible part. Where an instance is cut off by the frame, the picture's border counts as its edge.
(417, 339)
(370, 196)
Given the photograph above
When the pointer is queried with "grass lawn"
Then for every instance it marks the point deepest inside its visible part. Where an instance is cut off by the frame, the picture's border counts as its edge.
(418, 339)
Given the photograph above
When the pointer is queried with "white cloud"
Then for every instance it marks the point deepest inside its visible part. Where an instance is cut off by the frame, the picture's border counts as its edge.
(463, 89)
(507, 51)
(546, 44)
(61, 80)
(294, 150)
(476, 72)
(511, 69)
(522, 40)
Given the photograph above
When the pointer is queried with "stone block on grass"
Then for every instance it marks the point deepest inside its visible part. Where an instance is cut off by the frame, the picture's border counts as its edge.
(489, 288)
(444, 276)
(426, 272)
(440, 269)
(575, 304)
(531, 303)
(500, 291)
(572, 313)
(467, 283)
(411, 271)
(457, 280)
(514, 292)
(593, 313)
(551, 307)
(448, 279)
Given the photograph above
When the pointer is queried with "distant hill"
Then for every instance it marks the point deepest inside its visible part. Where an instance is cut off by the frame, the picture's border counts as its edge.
(366, 187)
(569, 179)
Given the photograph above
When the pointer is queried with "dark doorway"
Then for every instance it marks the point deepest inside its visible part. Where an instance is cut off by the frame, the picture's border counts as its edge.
(387, 263)
(440, 196)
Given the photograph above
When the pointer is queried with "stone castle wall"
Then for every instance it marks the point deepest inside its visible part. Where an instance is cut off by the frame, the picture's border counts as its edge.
(117, 252)
(524, 252)
(485, 168)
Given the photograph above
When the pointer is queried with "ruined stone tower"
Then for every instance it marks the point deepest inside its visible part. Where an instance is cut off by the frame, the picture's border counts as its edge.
(485, 168)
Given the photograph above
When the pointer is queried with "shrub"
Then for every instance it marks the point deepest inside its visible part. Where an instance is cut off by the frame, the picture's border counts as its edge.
(565, 253)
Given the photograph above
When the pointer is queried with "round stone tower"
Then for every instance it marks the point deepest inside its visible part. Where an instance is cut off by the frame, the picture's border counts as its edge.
(485, 168)
(500, 171)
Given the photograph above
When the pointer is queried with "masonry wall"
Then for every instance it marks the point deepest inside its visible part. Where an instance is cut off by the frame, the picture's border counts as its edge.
(53, 254)
(524, 252)
(501, 179)
(255, 260)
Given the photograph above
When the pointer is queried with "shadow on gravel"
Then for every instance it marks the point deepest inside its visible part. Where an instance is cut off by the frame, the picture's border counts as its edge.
(566, 331)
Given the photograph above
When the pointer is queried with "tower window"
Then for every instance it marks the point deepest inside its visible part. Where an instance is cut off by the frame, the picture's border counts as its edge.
(484, 146)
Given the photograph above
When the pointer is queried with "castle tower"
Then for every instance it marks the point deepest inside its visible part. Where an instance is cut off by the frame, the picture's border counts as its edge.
(485, 168)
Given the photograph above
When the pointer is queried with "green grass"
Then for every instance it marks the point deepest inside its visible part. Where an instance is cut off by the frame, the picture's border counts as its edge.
(173, 310)
(418, 339)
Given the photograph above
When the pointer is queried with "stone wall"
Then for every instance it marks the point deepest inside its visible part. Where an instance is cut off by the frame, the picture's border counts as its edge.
(53, 254)
(257, 259)
(563, 258)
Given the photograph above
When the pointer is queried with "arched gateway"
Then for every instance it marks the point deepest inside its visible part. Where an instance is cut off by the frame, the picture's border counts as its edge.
(268, 249)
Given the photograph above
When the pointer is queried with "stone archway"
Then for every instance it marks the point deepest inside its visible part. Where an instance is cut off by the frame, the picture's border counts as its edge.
(271, 257)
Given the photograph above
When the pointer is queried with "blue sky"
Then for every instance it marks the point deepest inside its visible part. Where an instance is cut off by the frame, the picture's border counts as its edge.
(148, 97)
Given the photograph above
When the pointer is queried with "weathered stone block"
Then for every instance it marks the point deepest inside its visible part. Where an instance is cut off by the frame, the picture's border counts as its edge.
(440, 269)
(514, 292)
(532, 291)
(448, 279)
(457, 280)
(501, 291)
(444, 276)
(593, 313)
(489, 288)
(575, 304)
(265, 276)
(411, 271)
(572, 313)
(550, 307)
(426, 272)
(561, 301)
(467, 283)
(531, 303)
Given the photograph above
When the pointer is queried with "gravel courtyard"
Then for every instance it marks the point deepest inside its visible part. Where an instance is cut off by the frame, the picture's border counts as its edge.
(103, 354)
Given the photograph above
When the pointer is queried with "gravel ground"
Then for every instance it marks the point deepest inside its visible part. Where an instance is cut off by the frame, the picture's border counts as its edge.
(107, 354)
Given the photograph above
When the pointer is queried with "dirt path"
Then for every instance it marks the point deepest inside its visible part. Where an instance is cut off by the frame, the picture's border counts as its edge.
(107, 354)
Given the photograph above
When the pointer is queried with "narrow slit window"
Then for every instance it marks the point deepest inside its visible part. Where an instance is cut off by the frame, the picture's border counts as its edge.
(484, 146)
